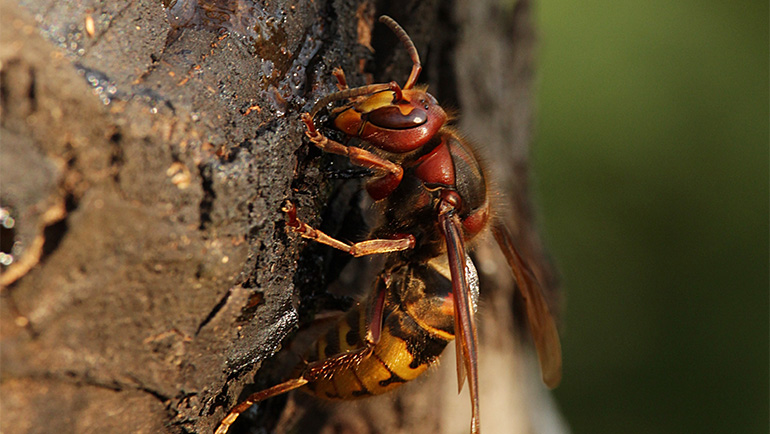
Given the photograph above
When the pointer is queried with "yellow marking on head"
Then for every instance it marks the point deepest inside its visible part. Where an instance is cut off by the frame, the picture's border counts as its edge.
(376, 101)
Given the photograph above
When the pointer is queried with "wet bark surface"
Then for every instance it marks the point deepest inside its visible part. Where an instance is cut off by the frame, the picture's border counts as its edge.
(146, 151)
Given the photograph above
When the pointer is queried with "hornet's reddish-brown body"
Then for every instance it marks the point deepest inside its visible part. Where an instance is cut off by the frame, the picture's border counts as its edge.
(433, 198)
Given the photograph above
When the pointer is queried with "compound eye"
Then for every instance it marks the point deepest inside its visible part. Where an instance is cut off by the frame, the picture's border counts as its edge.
(390, 117)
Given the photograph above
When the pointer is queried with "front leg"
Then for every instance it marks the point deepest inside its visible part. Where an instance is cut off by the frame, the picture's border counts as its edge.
(389, 174)
(358, 156)
(363, 248)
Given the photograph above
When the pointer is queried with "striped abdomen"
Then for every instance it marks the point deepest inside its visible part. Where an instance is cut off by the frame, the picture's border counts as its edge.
(418, 323)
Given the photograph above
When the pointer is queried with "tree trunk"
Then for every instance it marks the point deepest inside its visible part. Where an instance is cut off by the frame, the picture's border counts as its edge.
(146, 151)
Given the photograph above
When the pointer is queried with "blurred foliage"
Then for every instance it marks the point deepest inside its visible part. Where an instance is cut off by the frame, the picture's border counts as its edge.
(651, 164)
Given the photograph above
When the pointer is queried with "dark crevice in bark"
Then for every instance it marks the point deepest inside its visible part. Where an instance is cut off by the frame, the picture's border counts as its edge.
(213, 313)
(209, 195)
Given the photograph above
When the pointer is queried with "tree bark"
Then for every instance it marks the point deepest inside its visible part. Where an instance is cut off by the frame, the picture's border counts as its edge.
(146, 151)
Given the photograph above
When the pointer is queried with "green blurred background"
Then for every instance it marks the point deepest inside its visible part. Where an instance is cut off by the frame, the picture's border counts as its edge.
(651, 165)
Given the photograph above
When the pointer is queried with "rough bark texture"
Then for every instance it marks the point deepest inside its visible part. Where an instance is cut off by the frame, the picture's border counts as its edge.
(146, 150)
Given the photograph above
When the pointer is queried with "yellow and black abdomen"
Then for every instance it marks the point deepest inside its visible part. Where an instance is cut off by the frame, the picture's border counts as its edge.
(418, 323)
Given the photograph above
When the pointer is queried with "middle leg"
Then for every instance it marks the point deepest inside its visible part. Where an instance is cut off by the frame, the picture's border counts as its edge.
(363, 248)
